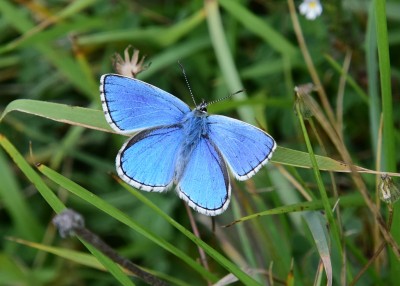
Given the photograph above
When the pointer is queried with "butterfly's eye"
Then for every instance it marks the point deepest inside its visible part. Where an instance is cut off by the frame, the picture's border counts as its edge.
(202, 106)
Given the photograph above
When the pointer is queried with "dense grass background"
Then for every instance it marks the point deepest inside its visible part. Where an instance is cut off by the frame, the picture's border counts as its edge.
(56, 51)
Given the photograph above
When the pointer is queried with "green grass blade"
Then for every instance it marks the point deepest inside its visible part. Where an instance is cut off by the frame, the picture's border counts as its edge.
(123, 218)
(324, 196)
(55, 202)
(389, 145)
(225, 59)
(373, 85)
(317, 228)
(11, 198)
(63, 61)
(74, 115)
(31, 174)
(386, 86)
(72, 255)
(349, 79)
(260, 28)
(152, 35)
(11, 272)
(354, 200)
(86, 259)
(172, 55)
(94, 119)
(110, 265)
(228, 265)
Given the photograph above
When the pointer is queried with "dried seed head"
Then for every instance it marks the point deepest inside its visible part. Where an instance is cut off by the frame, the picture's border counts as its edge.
(388, 192)
(129, 67)
(303, 99)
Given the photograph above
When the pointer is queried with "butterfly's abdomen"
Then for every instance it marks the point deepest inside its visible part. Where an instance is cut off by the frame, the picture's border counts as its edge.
(194, 127)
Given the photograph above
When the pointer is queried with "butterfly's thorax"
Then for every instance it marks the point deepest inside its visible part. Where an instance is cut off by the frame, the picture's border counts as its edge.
(194, 126)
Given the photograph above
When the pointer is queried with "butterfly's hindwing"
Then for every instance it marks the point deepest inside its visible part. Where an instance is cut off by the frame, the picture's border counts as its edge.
(244, 147)
(131, 105)
(205, 184)
(147, 161)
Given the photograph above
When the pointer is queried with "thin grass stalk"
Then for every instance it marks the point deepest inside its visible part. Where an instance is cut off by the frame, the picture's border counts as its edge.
(340, 94)
(304, 192)
(202, 254)
(224, 58)
(374, 107)
(338, 215)
(359, 183)
(309, 62)
(321, 187)
(244, 237)
(376, 235)
(386, 90)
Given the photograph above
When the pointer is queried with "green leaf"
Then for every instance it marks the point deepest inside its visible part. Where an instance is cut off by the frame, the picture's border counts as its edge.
(73, 115)
(94, 119)
(317, 226)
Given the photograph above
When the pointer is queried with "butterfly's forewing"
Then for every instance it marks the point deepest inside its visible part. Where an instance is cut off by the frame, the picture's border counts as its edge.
(244, 147)
(147, 161)
(131, 105)
(205, 184)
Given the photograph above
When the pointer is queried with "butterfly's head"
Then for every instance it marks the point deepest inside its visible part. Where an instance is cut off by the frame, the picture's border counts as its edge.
(202, 108)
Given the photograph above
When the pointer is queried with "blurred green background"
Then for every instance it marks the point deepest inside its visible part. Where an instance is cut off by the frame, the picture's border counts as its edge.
(56, 51)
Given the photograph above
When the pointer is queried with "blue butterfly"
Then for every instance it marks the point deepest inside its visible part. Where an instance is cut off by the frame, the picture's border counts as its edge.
(175, 145)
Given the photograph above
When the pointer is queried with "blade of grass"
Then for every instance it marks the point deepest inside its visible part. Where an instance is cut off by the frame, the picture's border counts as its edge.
(353, 200)
(56, 204)
(73, 115)
(110, 265)
(11, 272)
(225, 60)
(72, 255)
(171, 55)
(32, 176)
(372, 71)
(87, 259)
(321, 238)
(228, 265)
(349, 79)
(13, 201)
(35, 34)
(123, 218)
(260, 28)
(62, 61)
(118, 215)
(389, 146)
(324, 196)
(94, 119)
(156, 36)
(386, 87)
(310, 64)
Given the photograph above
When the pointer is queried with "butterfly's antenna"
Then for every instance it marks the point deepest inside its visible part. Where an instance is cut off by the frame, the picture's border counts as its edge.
(187, 82)
(228, 96)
